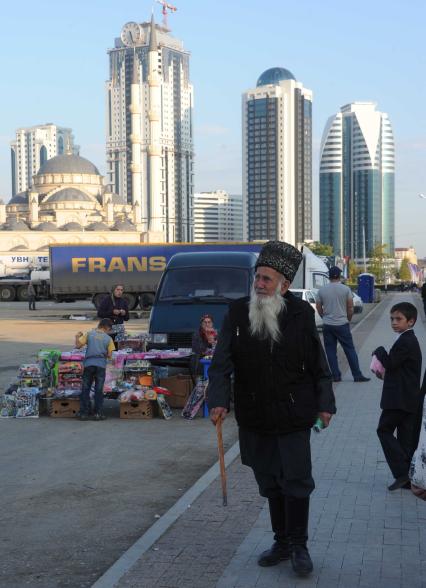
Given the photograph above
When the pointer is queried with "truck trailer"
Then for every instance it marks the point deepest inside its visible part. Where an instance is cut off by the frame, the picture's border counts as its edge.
(78, 272)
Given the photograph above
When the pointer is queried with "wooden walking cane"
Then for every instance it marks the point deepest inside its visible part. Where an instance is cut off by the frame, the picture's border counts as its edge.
(221, 459)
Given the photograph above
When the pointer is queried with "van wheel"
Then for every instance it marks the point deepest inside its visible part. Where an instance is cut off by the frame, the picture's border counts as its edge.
(146, 300)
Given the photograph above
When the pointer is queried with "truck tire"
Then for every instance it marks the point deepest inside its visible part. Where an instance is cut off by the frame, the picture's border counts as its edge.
(22, 293)
(7, 293)
(131, 299)
(146, 300)
(97, 299)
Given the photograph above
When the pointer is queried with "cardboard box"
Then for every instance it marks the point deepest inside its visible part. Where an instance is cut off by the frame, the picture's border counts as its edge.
(137, 409)
(180, 387)
(64, 407)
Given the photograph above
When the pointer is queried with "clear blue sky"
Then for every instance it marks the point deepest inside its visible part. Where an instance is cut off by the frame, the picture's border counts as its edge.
(54, 65)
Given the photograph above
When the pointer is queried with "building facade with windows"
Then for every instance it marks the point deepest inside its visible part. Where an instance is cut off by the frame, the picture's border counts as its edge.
(277, 158)
(32, 147)
(149, 129)
(357, 181)
(218, 216)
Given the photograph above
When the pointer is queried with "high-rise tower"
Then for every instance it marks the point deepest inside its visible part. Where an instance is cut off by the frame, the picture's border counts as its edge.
(32, 147)
(149, 129)
(277, 158)
(357, 193)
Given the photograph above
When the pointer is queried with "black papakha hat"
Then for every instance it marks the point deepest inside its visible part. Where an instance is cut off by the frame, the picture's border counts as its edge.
(280, 256)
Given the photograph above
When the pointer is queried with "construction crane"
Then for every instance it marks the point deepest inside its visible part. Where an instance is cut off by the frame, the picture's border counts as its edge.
(166, 8)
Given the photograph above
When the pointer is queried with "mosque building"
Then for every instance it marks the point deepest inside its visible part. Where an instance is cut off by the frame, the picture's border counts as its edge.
(67, 203)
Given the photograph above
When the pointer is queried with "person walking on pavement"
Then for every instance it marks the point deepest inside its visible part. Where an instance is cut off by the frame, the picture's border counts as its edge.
(282, 384)
(423, 295)
(402, 398)
(31, 294)
(99, 348)
(335, 306)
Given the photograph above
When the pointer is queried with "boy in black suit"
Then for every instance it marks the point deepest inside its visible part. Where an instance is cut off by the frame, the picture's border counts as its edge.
(401, 396)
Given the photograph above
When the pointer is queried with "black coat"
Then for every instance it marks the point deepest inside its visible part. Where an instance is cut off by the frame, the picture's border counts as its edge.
(278, 388)
(401, 384)
(108, 304)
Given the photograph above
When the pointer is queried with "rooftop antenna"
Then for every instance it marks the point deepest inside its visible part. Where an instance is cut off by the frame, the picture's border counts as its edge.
(166, 8)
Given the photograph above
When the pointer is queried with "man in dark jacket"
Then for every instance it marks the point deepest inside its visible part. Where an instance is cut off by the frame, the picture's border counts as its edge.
(423, 295)
(402, 398)
(282, 384)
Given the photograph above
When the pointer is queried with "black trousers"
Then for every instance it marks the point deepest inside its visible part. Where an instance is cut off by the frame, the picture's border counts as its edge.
(398, 450)
(281, 463)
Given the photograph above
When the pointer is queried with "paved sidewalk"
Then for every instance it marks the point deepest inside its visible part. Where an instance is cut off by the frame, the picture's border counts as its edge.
(360, 533)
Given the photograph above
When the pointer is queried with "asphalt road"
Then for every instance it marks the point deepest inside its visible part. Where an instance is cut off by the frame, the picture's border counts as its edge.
(75, 495)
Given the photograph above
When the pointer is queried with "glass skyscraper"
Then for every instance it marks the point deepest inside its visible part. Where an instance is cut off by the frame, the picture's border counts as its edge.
(357, 185)
(277, 158)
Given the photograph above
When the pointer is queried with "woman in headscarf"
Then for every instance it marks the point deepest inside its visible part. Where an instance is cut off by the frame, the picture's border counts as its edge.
(203, 341)
(114, 306)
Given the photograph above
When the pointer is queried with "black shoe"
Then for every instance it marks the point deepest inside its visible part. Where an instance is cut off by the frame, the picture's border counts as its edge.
(98, 416)
(301, 560)
(272, 557)
(401, 482)
(83, 417)
(337, 379)
(361, 379)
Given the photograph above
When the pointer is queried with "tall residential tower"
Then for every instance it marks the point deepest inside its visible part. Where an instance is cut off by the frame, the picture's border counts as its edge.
(218, 216)
(357, 193)
(277, 158)
(32, 147)
(149, 129)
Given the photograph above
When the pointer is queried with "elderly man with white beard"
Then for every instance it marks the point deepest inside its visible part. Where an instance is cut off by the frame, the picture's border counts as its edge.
(282, 384)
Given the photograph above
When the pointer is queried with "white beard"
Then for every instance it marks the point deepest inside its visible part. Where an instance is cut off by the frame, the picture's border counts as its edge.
(263, 314)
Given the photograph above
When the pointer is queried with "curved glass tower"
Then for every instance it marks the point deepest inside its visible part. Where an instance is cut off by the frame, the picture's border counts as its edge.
(357, 181)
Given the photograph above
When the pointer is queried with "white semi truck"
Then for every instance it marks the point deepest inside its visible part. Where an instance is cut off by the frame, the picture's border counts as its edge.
(17, 271)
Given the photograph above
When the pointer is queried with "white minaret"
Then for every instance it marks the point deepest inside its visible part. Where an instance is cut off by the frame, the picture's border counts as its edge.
(135, 140)
(154, 148)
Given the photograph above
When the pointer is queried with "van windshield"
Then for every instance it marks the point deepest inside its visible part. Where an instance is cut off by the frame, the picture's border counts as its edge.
(205, 282)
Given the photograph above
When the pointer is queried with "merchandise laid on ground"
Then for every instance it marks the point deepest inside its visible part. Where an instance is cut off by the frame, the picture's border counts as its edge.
(145, 383)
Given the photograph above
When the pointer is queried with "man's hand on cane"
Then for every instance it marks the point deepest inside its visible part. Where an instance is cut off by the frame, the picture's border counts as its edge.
(217, 413)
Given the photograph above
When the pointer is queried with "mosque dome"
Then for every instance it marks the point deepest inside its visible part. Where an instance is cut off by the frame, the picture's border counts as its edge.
(72, 226)
(97, 226)
(16, 225)
(21, 198)
(46, 226)
(124, 225)
(68, 164)
(69, 195)
(274, 76)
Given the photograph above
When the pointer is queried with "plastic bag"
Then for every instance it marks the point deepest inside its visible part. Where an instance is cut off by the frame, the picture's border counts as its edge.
(417, 471)
(377, 368)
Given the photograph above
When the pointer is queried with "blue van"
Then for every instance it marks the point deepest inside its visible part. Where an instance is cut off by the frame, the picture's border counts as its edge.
(195, 284)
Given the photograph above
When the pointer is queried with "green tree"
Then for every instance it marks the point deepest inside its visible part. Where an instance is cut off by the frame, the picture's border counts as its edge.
(404, 271)
(378, 262)
(320, 248)
(353, 272)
